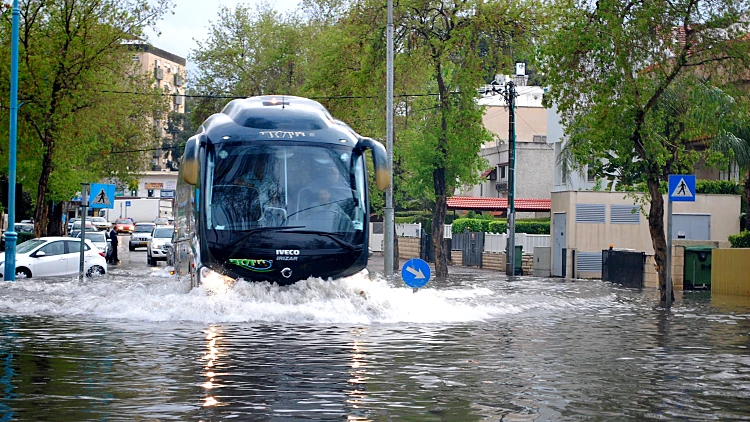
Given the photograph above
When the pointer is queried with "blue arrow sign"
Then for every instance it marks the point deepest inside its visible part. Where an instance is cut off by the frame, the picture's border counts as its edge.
(682, 187)
(416, 273)
(102, 196)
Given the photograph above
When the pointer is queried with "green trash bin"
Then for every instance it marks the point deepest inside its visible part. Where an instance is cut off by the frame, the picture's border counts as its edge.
(697, 271)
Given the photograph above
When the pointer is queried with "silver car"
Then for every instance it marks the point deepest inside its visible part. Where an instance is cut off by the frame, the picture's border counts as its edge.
(99, 239)
(141, 235)
(101, 223)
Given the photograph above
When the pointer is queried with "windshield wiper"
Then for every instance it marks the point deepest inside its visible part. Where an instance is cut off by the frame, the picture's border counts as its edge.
(246, 233)
(331, 236)
(316, 206)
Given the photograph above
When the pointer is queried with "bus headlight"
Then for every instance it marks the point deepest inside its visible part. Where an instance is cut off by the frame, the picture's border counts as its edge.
(214, 281)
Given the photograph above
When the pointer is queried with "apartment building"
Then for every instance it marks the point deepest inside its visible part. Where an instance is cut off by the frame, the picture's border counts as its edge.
(169, 73)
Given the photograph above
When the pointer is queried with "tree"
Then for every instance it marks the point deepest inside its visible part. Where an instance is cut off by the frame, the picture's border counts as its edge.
(450, 40)
(72, 63)
(247, 53)
(612, 67)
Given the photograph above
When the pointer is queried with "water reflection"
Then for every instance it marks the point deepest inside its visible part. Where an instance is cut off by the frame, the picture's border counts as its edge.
(211, 356)
(470, 348)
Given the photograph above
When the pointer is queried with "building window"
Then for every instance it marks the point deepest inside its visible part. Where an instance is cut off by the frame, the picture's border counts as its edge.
(503, 172)
(591, 173)
(150, 193)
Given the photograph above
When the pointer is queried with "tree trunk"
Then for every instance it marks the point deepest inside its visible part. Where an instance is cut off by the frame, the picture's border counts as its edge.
(658, 238)
(438, 180)
(55, 224)
(41, 215)
(438, 220)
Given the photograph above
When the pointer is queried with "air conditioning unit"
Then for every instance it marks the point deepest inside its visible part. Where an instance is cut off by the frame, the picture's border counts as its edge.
(158, 73)
(178, 99)
(501, 186)
(178, 80)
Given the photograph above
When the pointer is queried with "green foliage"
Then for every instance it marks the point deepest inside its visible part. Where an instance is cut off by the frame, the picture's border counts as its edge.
(531, 226)
(83, 97)
(498, 226)
(247, 52)
(461, 225)
(725, 187)
(741, 240)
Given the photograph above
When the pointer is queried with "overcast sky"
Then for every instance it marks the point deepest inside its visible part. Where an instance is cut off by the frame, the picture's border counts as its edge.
(191, 20)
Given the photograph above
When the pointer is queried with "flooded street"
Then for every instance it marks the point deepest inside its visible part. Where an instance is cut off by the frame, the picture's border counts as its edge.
(137, 344)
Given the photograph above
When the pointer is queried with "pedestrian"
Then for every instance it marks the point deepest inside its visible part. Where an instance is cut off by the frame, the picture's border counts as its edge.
(113, 244)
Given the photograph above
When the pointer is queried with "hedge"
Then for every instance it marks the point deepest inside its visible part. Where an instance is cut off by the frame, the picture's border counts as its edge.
(741, 240)
(499, 226)
(725, 187)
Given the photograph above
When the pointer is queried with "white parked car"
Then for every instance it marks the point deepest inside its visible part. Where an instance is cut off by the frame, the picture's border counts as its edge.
(140, 236)
(55, 256)
(161, 240)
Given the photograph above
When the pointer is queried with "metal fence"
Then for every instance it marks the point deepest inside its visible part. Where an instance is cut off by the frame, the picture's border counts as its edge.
(493, 242)
(409, 230)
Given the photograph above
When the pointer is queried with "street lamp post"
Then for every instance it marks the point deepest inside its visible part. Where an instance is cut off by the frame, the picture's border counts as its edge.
(389, 244)
(10, 235)
(511, 255)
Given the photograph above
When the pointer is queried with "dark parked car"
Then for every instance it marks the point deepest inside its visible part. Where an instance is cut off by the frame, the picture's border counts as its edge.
(25, 232)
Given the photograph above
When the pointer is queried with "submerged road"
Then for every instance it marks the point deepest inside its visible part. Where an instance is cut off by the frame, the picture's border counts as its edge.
(138, 344)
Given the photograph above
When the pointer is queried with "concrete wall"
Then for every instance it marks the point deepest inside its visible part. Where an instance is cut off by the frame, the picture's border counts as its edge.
(592, 237)
(492, 261)
(408, 247)
(530, 121)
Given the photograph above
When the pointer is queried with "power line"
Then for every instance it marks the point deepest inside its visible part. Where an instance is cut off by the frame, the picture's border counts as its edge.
(227, 96)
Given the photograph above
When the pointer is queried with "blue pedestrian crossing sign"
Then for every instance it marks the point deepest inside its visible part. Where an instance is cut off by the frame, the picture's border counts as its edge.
(415, 273)
(682, 187)
(102, 196)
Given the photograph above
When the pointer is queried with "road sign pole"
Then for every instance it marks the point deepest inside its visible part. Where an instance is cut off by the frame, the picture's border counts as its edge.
(84, 205)
(681, 188)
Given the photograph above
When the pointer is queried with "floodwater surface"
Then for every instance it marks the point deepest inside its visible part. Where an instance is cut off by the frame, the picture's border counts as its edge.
(140, 345)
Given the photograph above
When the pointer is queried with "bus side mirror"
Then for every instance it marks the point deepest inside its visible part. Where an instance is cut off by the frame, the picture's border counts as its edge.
(379, 159)
(189, 166)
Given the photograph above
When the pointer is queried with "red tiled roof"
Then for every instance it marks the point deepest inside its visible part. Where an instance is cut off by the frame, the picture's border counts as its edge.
(497, 204)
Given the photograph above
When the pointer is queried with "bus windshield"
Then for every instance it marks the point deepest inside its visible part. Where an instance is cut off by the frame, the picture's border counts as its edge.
(298, 188)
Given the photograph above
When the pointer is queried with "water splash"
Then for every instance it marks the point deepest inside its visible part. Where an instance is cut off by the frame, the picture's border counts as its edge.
(159, 296)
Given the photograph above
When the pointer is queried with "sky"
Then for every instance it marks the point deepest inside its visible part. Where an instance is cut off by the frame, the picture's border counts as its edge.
(191, 20)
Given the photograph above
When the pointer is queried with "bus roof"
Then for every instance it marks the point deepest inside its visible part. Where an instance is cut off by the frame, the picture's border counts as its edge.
(277, 117)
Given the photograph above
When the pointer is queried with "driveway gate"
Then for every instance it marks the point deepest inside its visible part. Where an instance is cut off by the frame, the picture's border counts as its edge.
(471, 245)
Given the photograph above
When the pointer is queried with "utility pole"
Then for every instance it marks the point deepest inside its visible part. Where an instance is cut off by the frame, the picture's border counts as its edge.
(510, 265)
(388, 247)
(10, 235)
